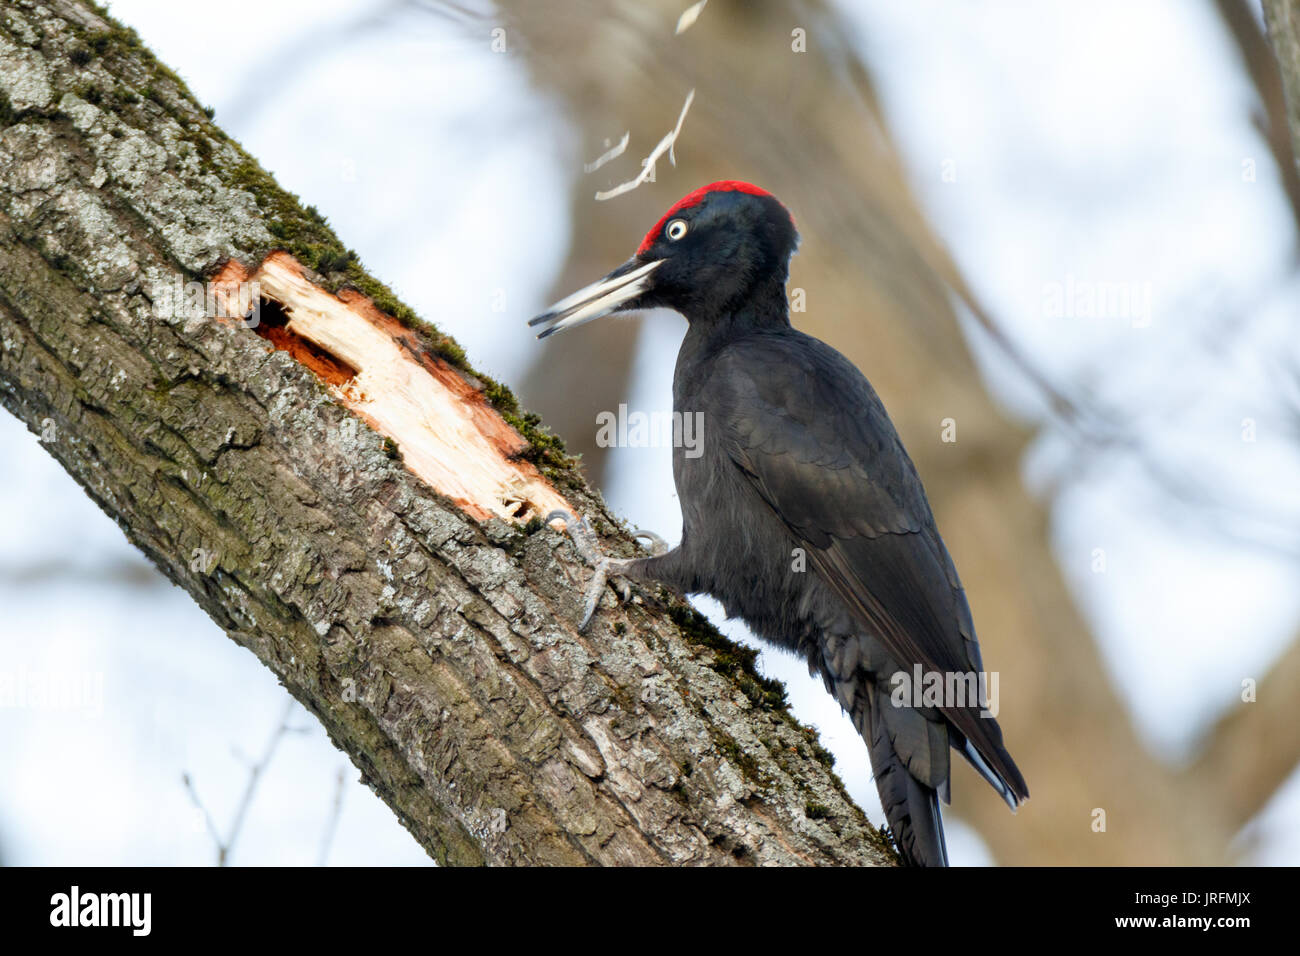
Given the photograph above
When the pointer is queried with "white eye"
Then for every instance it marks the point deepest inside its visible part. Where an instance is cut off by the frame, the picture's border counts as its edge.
(676, 229)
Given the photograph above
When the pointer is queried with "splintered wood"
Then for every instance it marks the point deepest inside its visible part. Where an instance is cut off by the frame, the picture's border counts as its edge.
(446, 431)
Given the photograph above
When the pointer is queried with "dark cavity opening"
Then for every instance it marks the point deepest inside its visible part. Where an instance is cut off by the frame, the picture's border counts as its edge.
(273, 325)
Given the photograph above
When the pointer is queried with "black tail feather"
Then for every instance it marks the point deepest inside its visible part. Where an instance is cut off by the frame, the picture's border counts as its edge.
(911, 807)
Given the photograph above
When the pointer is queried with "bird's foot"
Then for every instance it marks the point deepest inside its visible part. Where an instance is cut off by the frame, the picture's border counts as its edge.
(607, 569)
(656, 545)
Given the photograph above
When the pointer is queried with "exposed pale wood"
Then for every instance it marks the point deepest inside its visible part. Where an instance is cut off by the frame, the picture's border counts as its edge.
(446, 431)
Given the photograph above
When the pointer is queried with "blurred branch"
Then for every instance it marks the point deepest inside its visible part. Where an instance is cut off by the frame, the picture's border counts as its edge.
(1095, 430)
(332, 824)
(1255, 747)
(213, 830)
(118, 572)
(1281, 94)
(227, 844)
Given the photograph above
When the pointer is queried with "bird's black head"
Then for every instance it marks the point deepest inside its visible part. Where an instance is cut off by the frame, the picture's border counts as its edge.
(714, 252)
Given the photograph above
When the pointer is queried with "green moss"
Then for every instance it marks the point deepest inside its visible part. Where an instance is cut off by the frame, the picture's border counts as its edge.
(815, 748)
(500, 397)
(884, 841)
(126, 56)
(7, 113)
(336, 261)
(816, 811)
(201, 144)
(100, 42)
(740, 663)
(729, 658)
(90, 93)
(545, 449)
(117, 34)
(728, 747)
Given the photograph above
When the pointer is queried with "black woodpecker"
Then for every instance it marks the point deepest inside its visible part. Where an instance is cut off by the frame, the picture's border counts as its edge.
(799, 458)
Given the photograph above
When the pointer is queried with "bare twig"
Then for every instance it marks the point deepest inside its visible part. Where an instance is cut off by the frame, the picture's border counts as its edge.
(332, 824)
(225, 846)
(207, 817)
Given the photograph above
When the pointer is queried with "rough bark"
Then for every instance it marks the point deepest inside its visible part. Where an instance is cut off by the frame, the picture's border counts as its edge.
(436, 648)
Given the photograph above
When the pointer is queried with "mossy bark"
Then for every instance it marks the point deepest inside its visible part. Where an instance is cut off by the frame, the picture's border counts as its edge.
(438, 652)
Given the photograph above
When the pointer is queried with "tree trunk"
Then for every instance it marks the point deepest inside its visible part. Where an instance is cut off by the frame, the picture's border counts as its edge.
(1283, 20)
(350, 502)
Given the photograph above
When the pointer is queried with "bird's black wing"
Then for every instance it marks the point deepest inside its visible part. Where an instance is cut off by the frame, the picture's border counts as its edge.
(808, 431)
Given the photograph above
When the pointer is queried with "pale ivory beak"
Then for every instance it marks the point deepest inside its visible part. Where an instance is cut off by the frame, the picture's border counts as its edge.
(625, 283)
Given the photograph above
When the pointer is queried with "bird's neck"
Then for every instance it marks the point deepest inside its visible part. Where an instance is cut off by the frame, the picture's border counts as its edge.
(763, 308)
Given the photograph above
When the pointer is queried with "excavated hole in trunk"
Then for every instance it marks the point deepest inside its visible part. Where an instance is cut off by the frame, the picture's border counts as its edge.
(273, 324)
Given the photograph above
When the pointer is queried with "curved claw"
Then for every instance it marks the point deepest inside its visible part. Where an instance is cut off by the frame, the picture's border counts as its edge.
(657, 544)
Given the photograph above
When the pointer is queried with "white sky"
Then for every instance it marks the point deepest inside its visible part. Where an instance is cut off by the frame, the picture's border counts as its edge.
(1092, 141)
